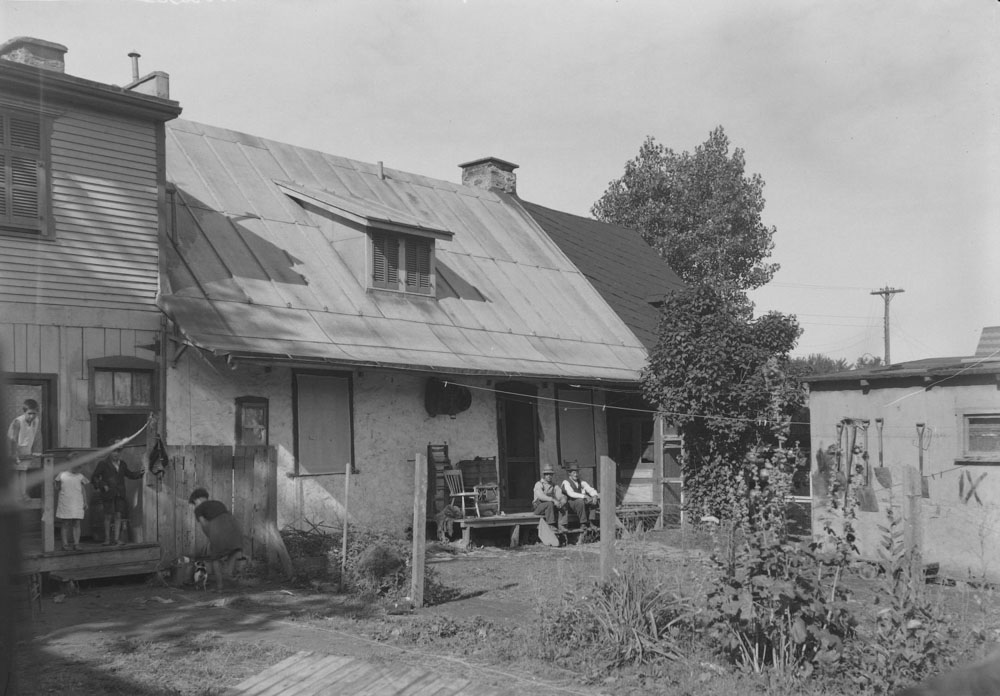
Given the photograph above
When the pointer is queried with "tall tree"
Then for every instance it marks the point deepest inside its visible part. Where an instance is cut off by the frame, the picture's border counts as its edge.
(723, 379)
(818, 364)
(699, 210)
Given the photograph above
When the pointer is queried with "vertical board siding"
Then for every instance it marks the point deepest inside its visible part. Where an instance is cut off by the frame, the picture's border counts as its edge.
(243, 478)
(103, 252)
(63, 351)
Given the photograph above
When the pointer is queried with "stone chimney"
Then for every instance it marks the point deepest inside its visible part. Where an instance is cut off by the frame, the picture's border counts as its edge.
(490, 173)
(34, 52)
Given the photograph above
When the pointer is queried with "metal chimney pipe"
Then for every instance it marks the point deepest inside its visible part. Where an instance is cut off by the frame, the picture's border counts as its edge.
(135, 65)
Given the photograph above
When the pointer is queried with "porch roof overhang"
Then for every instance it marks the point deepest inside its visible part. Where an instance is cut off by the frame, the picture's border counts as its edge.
(293, 337)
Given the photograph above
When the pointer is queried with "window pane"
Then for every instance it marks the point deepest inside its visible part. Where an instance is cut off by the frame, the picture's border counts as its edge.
(104, 393)
(142, 389)
(123, 388)
(984, 433)
(252, 429)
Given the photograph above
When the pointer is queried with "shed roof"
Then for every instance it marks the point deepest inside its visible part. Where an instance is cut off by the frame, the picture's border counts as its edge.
(254, 272)
(627, 272)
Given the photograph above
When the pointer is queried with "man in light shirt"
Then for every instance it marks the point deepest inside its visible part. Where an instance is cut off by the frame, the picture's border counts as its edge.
(581, 496)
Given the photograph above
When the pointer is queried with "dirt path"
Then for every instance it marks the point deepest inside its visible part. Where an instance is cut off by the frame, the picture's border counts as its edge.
(75, 629)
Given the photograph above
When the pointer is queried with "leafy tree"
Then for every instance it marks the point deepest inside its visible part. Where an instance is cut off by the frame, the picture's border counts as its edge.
(867, 360)
(723, 379)
(818, 364)
(699, 210)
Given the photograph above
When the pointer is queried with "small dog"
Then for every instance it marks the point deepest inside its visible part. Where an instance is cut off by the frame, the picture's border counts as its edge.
(200, 575)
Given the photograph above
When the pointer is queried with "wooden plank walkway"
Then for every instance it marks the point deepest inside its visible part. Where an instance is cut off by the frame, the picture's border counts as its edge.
(313, 674)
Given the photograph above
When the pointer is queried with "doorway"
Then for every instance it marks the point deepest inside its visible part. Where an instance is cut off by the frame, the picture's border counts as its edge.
(517, 435)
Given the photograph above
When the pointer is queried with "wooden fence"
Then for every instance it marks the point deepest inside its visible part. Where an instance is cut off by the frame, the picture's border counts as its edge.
(244, 478)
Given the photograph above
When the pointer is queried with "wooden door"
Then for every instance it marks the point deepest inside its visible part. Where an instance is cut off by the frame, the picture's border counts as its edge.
(517, 433)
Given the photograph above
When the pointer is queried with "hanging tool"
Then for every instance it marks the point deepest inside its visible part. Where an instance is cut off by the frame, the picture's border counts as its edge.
(924, 488)
(882, 474)
(851, 436)
(840, 443)
(867, 501)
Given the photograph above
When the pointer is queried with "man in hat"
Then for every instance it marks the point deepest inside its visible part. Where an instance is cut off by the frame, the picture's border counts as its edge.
(548, 498)
(109, 482)
(581, 497)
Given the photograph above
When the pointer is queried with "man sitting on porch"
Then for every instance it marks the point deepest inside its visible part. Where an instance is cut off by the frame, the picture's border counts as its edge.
(548, 498)
(581, 497)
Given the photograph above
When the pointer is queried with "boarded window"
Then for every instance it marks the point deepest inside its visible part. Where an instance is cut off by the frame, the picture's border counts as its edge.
(323, 423)
(22, 173)
(402, 262)
(576, 430)
(982, 435)
(123, 388)
(251, 421)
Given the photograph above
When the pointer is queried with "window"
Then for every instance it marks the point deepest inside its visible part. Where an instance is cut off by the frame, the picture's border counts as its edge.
(122, 396)
(251, 421)
(981, 434)
(402, 262)
(324, 436)
(23, 159)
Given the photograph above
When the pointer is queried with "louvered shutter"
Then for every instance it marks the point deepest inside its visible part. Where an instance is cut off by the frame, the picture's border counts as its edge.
(385, 261)
(21, 182)
(418, 265)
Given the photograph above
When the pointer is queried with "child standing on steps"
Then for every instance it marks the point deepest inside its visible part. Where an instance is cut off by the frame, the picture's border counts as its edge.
(72, 505)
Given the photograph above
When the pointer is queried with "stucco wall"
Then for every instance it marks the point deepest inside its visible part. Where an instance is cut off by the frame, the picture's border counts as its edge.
(390, 427)
(959, 531)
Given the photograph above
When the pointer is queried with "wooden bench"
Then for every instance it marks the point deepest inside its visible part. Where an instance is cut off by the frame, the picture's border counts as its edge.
(516, 520)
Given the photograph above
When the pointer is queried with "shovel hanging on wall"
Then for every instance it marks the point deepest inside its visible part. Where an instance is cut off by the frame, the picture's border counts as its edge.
(882, 474)
(867, 502)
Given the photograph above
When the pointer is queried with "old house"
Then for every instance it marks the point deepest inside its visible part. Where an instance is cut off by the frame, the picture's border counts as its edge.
(923, 439)
(82, 191)
(349, 314)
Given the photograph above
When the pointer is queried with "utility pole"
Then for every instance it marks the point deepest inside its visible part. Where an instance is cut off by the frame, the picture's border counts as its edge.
(886, 294)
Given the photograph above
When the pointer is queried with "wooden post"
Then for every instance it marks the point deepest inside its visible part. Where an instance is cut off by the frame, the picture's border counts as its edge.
(912, 523)
(658, 466)
(419, 529)
(608, 496)
(48, 505)
(343, 543)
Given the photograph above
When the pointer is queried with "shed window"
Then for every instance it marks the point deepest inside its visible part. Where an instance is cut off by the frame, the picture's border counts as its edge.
(982, 435)
(402, 262)
(251, 421)
(23, 159)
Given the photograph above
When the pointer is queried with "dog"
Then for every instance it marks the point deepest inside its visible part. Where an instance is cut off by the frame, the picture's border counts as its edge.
(200, 575)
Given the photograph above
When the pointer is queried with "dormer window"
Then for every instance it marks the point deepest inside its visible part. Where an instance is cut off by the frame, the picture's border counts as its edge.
(400, 244)
(402, 262)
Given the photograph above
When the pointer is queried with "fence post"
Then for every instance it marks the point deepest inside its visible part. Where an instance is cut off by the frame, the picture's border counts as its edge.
(343, 542)
(608, 498)
(912, 523)
(419, 529)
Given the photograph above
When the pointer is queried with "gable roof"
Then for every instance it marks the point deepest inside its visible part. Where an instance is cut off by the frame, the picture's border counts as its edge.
(628, 273)
(256, 272)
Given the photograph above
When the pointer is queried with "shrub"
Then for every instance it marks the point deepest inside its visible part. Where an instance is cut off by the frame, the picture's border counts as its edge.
(631, 619)
(777, 604)
(909, 637)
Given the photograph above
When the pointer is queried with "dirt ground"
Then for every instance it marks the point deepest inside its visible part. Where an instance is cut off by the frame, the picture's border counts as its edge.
(66, 641)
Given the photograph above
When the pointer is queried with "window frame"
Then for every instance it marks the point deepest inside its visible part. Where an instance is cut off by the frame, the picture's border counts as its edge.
(119, 364)
(243, 402)
(296, 424)
(400, 278)
(19, 225)
(967, 455)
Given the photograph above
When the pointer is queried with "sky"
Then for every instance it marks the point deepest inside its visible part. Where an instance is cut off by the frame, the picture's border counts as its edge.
(875, 126)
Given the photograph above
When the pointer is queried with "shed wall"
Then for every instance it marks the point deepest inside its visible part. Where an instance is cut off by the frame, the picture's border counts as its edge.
(960, 532)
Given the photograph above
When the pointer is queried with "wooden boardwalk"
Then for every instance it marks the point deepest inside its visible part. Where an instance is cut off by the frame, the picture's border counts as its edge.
(312, 674)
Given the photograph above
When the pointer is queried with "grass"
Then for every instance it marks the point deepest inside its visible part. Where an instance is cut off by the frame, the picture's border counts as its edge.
(197, 665)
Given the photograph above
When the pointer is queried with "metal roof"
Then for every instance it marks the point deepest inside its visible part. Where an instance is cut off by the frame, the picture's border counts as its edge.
(262, 267)
(627, 272)
(989, 343)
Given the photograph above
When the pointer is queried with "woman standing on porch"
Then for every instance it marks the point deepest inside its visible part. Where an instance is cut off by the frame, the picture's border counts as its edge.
(225, 538)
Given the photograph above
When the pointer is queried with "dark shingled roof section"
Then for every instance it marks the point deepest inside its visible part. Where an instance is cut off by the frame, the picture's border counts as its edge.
(626, 271)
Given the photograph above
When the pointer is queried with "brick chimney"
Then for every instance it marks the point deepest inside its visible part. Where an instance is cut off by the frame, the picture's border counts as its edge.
(35, 52)
(490, 173)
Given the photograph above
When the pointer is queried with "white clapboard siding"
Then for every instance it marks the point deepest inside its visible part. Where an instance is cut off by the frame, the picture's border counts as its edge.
(104, 251)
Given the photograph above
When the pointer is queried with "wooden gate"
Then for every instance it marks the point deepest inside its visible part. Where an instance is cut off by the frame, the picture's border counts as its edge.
(244, 478)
